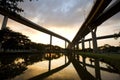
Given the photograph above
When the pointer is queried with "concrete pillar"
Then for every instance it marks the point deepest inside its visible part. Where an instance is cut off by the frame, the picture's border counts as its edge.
(74, 47)
(50, 41)
(84, 62)
(65, 53)
(50, 53)
(65, 44)
(83, 44)
(4, 22)
(73, 53)
(78, 53)
(78, 46)
(94, 39)
(95, 49)
(97, 69)
(49, 65)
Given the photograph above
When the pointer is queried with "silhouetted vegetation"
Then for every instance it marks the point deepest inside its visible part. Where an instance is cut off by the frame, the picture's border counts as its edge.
(11, 5)
(105, 49)
(13, 65)
(109, 49)
(10, 40)
(13, 40)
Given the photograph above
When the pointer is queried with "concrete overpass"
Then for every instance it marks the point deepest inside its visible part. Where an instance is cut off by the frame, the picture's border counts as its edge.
(30, 24)
(100, 12)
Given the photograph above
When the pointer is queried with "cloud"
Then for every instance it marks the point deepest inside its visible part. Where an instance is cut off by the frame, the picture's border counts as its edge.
(58, 13)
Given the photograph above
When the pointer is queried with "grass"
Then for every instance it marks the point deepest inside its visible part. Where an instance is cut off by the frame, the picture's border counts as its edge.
(112, 59)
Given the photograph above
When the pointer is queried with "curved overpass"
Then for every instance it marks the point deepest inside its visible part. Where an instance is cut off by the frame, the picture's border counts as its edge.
(97, 16)
(99, 13)
(29, 23)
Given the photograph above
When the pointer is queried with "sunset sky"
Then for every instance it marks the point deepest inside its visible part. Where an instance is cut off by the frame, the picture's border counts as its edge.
(63, 17)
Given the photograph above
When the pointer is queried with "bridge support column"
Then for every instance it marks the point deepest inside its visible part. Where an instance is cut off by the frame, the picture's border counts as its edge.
(83, 44)
(65, 44)
(78, 51)
(50, 52)
(84, 62)
(78, 46)
(97, 69)
(65, 53)
(50, 42)
(74, 52)
(4, 22)
(94, 39)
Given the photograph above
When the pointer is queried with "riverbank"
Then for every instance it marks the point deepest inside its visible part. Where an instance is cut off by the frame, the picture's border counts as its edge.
(112, 59)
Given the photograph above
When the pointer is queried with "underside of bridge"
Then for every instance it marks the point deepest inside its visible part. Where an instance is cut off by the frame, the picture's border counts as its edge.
(100, 12)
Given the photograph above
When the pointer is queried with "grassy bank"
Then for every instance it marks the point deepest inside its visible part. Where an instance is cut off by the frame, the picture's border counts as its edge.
(112, 59)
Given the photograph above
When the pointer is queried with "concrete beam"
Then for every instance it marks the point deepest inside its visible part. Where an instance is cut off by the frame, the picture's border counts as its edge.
(78, 46)
(83, 44)
(95, 49)
(102, 37)
(4, 22)
(112, 10)
(97, 70)
(65, 44)
(50, 53)
(50, 41)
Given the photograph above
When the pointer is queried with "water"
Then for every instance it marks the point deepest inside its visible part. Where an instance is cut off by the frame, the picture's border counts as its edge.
(42, 66)
(105, 75)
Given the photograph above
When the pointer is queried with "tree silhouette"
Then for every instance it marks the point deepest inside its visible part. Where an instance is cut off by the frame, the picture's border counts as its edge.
(13, 40)
(10, 6)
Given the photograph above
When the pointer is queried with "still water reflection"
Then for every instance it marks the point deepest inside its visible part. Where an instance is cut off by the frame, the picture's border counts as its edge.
(50, 66)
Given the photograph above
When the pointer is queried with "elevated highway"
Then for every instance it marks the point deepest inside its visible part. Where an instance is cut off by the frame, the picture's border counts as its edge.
(29, 23)
(99, 13)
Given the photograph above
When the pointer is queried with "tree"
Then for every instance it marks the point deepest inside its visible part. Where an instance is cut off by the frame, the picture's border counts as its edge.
(10, 6)
(13, 40)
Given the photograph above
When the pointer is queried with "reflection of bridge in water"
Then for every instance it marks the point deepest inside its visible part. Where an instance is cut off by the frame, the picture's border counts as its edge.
(19, 64)
(101, 11)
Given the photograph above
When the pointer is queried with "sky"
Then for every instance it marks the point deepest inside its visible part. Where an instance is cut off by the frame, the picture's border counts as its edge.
(63, 17)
